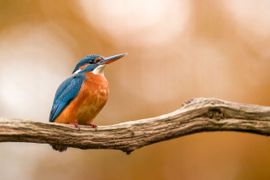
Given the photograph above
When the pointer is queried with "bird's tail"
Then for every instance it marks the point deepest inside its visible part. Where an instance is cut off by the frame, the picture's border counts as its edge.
(59, 148)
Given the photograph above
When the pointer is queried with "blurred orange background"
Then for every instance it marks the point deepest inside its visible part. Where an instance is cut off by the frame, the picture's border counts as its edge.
(177, 50)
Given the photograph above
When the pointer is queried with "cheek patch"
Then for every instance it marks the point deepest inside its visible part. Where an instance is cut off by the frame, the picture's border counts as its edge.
(83, 66)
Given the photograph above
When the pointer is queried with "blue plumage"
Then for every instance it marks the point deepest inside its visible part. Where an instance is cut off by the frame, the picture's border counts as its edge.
(67, 91)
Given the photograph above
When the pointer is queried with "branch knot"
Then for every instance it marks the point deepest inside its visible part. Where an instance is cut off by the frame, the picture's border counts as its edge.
(215, 113)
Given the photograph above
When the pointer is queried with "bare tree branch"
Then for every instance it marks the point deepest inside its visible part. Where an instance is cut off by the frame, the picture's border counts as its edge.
(197, 115)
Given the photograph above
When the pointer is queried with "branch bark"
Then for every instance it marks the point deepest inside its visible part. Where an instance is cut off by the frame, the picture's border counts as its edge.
(196, 115)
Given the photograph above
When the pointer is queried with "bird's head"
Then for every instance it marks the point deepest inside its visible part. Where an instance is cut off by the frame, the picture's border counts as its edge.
(95, 63)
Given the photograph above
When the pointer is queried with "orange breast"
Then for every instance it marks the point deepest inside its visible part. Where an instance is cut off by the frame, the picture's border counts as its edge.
(87, 104)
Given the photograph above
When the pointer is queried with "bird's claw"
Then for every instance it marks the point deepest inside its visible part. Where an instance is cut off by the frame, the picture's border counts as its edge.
(92, 125)
(76, 125)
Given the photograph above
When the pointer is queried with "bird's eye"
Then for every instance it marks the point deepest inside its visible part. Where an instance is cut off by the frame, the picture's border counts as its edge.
(97, 59)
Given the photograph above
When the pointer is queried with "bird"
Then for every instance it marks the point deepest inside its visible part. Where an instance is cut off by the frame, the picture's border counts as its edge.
(81, 97)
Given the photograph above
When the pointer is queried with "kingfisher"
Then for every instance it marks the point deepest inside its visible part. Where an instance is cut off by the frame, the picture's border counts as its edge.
(81, 96)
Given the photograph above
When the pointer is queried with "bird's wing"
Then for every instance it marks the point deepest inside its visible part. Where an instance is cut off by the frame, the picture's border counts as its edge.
(64, 94)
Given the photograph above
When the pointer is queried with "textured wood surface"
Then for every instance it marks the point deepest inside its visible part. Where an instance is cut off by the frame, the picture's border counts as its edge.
(196, 115)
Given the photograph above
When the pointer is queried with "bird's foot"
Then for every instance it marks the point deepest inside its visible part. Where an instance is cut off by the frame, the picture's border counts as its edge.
(76, 125)
(92, 125)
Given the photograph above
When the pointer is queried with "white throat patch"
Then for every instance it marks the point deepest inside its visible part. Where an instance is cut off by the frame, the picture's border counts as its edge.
(99, 70)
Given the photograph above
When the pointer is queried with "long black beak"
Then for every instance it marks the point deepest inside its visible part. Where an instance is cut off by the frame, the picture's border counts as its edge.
(110, 59)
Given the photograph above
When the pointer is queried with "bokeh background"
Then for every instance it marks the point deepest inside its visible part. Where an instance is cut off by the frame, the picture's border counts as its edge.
(177, 50)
